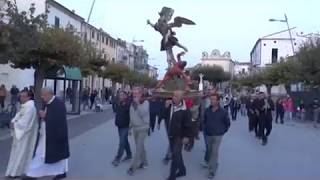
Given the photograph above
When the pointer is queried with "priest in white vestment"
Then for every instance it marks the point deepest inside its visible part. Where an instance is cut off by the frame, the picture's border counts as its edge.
(52, 152)
(24, 131)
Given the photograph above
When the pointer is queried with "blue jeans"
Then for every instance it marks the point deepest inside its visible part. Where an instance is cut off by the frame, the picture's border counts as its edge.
(207, 152)
(123, 143)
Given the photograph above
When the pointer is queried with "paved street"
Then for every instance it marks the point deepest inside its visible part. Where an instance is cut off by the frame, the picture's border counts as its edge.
(292, 153)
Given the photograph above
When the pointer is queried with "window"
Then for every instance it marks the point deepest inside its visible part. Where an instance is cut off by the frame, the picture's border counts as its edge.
(102, 39)
(92, 34)
(71, 27)
(274, 56)
(4, 77)
(85, 36)
(56, 22)
(107, 40)
(98, 36)
(274, 41)
(243, 71)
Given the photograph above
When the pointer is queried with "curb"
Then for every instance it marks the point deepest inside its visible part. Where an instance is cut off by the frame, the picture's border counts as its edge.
(7, 135)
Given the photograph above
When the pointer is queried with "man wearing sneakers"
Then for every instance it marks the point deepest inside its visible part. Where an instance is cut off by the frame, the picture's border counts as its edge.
(216, 124)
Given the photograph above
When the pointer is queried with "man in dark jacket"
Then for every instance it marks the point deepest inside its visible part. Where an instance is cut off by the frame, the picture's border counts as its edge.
(234, 107)
(264, 108)
(179, 132)
(252, 116)
(14, 91)
(122, 121)
(52, 152)
(216, 124)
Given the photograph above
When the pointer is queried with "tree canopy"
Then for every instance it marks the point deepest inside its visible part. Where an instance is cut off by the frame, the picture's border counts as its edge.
(213, 74)
(309, 62)
(122, 74)
(27, 41)
(304, 67)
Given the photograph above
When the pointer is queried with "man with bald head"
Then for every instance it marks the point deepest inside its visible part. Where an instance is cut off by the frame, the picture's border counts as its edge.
(179, 132)
(52, 151)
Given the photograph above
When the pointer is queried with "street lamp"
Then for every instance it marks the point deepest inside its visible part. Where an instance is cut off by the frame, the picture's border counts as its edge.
(285, 20)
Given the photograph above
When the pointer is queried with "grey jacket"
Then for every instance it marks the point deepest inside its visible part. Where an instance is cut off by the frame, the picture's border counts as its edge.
(140, 117)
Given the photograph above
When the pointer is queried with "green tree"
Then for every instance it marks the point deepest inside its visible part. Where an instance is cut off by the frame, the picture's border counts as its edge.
(32, 44)
(251, 81)
(309, 62)
(135, 78)
(213, 74)
(95, 64)
(116, 72)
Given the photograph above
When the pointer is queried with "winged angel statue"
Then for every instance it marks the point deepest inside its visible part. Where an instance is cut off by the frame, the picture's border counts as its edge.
(164, 27)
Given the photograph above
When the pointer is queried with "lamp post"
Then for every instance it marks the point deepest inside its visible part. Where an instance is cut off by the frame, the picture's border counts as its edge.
(92, 5)
(285, 20)
(135, 41)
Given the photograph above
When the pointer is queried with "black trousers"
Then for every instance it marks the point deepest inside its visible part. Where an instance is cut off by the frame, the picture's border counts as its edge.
(2, 98)
(234, 112)
(251, 121)
(153, 117)
(92, 102)
(254, 124)
(265, 126)
(177, 164)
(281, 115)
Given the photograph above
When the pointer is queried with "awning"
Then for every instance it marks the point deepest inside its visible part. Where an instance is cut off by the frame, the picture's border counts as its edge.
(64, 73)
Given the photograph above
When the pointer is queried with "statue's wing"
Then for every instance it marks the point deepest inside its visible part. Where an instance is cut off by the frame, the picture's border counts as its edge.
(178, 21)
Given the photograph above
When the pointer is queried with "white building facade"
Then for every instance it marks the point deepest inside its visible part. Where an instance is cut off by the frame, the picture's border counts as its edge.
(216, 58)
(153, 72)
(271, 48)
(242, 68)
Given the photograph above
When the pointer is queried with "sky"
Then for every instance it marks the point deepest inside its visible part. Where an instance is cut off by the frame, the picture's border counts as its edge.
(227, 25)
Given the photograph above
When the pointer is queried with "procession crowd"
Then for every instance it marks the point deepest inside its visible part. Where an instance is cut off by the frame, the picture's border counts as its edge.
(41, 144)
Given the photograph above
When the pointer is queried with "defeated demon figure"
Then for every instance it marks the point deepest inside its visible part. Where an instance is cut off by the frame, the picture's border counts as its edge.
(176, 70)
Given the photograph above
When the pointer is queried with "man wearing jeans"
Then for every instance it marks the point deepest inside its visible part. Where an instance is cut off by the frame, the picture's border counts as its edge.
(216, 124)
(205, 103)
(122, 121)
(140, 123)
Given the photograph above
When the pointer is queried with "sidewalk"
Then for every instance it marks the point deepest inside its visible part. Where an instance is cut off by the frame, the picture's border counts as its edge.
(5, 133)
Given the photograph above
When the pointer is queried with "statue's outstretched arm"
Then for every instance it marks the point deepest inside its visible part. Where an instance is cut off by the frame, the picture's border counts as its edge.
(149, 23)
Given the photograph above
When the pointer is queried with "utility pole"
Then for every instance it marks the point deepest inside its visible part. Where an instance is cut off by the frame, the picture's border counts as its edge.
(91, 11)
(88, 20)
